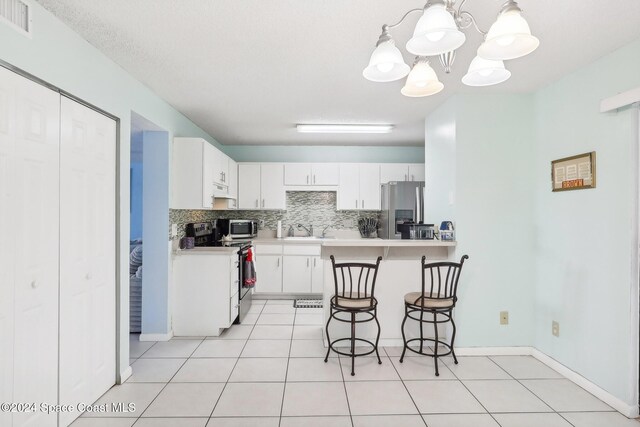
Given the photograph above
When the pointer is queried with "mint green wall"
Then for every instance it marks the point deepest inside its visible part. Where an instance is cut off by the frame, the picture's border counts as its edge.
(544, 256)
(487, 141)
(584, 241)
(354, 154)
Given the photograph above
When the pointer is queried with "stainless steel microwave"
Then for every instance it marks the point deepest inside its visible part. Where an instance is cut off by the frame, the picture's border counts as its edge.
(238, 228)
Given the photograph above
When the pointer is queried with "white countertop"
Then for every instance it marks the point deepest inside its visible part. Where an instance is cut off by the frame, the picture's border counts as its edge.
(377, 242)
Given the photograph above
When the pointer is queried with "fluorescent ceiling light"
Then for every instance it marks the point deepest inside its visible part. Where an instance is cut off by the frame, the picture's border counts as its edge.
(344, 128)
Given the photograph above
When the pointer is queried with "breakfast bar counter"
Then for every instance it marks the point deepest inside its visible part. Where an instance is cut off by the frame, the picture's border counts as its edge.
(399, 273)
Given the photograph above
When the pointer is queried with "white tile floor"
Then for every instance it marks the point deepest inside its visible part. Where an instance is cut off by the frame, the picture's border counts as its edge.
(270, 372)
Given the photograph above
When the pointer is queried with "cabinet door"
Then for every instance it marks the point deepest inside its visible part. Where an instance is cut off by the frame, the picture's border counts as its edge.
(233, 184)
(370, 186)
(393, 172)
(220, 165)
(349, 187)
(208, 172)
(297, 174)
(296, 275)
(87, 255)
(272, 186)
(325, 174)
(416, 172)
(317, 275)
(30, 144)
(269, 274)
(248, 186)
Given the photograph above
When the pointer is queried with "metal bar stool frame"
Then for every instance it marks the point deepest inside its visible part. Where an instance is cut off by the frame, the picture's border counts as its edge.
(441, 305)
(360, 299)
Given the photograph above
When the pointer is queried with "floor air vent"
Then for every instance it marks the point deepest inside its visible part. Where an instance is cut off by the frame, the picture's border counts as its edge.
(307, 303)
(17, 14)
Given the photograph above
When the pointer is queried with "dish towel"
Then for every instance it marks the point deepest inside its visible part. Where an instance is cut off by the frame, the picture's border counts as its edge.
(249, 270)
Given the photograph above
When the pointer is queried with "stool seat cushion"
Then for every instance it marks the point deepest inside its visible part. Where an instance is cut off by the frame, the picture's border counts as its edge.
(428, 300)
(354, 300)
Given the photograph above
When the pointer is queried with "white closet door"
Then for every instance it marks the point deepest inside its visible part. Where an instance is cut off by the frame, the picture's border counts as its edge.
(87, 255)
(29, 151)
(7, 229)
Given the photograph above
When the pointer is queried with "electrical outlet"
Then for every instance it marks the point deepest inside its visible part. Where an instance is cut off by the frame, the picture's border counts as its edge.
(555, 328)
(504, 317)
(174, 230)
(261, 223)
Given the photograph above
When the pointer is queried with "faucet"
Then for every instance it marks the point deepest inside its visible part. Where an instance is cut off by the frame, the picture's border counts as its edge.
(324, 231)
(308, 230)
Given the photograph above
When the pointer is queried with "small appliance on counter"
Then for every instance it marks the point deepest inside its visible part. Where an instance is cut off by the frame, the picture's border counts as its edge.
(446, 231)
(412, 231)
(201, 234)
(237, 228)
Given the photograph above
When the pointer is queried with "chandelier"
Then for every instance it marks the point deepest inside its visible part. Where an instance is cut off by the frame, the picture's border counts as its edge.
(439, 33)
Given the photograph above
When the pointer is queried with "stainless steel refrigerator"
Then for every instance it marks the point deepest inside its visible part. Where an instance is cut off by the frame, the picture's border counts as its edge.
(401, 201)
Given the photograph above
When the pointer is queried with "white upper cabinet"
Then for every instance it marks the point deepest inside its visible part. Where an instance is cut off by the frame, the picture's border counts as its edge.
(359, 187)
(261, 186)
(370, 186)
(416, 172)
(299, 174)
(199, 172)
(401, 172)
(325, 174)
(272, 186)
(249, 186)
(233, 181)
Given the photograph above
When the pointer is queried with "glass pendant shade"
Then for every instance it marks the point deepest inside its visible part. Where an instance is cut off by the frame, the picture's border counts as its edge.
(436, 33)
(508, 38)
(386, 64)
(484, 72)
(422, 81)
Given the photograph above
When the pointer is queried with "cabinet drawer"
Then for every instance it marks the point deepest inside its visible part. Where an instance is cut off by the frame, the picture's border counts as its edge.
(302, 249)
(268, 249)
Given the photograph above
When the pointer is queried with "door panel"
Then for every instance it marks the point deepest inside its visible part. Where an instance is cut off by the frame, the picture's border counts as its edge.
(393, 172)
(34, 197)
(208, 174)
(349, 188)
(248, 186)
(296, 274)
(325, 174)
(269, 273)
(370, 186)
(272, 186)
(297, 174)
(8, 231)
(87, 247)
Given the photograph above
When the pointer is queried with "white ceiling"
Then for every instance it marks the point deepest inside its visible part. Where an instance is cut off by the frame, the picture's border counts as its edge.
(248, 71)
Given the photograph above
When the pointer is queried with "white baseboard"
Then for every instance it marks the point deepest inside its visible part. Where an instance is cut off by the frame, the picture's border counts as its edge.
(630, 411)
(125, 375)
(156, 337)
(493, 351)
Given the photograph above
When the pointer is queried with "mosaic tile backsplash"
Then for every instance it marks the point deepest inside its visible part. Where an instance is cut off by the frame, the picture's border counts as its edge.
(317, 208)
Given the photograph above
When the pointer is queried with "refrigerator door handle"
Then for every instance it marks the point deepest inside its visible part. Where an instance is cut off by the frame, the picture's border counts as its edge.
(418, 214)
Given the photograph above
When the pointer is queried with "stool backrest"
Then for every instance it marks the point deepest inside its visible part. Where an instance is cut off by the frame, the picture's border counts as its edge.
(355, 280)
(440, 279)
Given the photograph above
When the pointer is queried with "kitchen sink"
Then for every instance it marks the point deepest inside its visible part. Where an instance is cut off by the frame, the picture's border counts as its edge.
(309, 238)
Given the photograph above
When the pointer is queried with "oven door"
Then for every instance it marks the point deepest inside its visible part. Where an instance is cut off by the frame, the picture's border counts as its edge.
(244, 293)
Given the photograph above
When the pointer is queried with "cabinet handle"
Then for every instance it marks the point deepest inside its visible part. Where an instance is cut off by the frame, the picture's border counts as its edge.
(362, 204)
(314, 179)
(356, 203)
(278, 262)
(257, 206)
(307, 262)
(314, 262)
(263, 203)
(307, 179)
(34, 284)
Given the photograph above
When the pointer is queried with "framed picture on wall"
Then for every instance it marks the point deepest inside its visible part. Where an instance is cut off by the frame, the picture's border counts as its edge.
(574, 173)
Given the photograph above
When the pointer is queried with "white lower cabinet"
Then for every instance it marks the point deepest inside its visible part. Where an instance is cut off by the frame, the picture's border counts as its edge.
(317, 275)
(205, 292)
(269, 273)
(297, 274)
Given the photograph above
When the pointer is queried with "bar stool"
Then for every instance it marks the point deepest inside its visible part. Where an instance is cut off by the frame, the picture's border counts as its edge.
(354, 288)
(437, 298)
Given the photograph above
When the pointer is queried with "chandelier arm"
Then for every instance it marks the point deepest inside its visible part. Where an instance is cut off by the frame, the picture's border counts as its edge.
(473, 21)
(404, 17)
